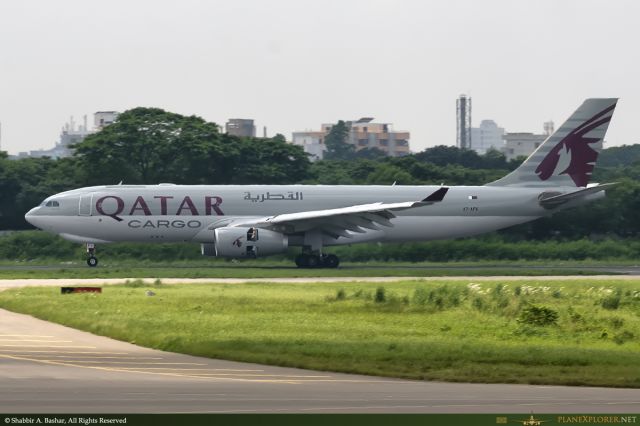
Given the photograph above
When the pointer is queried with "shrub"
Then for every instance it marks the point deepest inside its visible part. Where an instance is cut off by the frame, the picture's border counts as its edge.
(538, 315)
(612, 302)
(623, 337)
(575, 316)
(420, 296)
(380, 296)
(478, 303)
(616, 322)
(341, 294)
(497, 290)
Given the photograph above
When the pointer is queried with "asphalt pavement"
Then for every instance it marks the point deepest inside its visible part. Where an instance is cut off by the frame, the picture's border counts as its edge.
(49, 368)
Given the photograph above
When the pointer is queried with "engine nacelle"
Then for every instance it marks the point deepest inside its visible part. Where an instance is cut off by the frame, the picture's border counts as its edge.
(245, 243)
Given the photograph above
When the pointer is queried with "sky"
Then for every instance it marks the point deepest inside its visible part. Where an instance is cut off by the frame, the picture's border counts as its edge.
(294, 64)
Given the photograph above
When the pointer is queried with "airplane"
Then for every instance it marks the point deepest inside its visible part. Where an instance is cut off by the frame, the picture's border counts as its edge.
(249, 221)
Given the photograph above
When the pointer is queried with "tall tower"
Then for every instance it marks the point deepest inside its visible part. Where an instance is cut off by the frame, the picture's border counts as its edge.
(548, 128)
(463, 122)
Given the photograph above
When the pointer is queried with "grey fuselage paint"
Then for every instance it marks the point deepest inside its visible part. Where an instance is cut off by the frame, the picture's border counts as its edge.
(166, 213)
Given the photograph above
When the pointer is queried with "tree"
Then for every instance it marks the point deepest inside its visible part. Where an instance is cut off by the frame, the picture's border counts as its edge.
(618, 156)
(148, 145)
(270, 161)
(24, 183)
(336, 143)
(370, 154)
(444, 155)
(494, 159)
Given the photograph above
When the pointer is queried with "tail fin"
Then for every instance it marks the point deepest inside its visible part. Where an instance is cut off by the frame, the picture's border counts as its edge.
(567, 157)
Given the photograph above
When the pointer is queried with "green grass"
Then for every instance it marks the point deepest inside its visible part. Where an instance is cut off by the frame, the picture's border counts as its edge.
(285, 269)
(437, 330)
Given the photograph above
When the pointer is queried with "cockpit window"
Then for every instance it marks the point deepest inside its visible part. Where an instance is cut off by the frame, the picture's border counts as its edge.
(52, 203)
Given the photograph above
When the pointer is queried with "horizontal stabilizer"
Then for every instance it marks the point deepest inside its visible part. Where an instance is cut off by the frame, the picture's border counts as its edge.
(553, 199)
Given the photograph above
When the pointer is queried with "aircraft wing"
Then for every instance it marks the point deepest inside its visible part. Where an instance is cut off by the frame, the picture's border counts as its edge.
(336, 222)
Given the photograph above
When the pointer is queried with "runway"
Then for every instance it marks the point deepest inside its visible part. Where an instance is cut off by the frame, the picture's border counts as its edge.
(46, 367)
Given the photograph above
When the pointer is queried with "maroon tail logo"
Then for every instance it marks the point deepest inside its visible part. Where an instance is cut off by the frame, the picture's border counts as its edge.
(574, 148)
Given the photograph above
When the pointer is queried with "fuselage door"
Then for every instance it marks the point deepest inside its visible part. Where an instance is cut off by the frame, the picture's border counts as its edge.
(84, 208)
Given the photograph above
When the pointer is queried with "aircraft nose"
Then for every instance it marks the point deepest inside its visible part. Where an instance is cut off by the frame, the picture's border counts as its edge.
(32, 218)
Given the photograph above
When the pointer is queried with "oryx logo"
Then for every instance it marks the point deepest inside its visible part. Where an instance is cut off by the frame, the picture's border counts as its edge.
(572, 155)
(237, 242)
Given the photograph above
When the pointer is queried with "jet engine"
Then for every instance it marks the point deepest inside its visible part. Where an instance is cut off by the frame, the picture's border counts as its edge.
(245, 243)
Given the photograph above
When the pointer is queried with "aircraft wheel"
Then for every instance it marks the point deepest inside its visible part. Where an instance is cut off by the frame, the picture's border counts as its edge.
(313, 261)
(331, 261)
(301, 261)
(92, 261)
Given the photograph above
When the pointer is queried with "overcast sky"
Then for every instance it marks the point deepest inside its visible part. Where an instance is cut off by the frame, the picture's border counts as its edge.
(293, 64)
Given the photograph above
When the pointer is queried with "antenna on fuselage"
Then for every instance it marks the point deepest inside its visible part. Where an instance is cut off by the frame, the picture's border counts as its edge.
(120, 183)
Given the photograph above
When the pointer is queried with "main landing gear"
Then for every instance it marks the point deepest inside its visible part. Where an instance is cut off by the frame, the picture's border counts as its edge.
(92, 260)
(310, 260)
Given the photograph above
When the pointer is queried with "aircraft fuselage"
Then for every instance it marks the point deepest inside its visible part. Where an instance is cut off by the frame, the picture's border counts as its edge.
(165, 213)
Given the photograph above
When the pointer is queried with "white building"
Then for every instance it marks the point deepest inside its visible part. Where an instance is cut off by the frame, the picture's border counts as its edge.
(521, 144)
(104, 118)
(486, 137)
(71, 135)
(312, 143)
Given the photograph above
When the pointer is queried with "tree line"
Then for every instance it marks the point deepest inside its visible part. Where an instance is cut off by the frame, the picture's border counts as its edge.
(150, 145)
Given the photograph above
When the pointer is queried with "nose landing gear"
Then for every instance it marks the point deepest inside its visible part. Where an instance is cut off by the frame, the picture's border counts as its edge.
(92, 260)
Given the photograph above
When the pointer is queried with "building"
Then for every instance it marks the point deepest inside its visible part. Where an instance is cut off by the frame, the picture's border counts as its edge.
(363, 134)
(487, 136)
(242, 127)
(521, 144)
(71, 135)
(104, 118)
(312, 143)
(463, 122)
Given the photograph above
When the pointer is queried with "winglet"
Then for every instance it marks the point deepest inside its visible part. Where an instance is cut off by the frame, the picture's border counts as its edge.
(437, 196)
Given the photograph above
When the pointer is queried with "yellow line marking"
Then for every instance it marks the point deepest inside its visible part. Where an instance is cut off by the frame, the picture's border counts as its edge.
(233, 369)
(114, 369)
(129, 362)
(41, 341)
(181, 369)
(64, 352)
(261, 375)
(44, 346)
(24, 335)
(94, 357)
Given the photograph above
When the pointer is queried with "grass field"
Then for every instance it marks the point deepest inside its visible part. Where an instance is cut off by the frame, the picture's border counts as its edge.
(553, 332)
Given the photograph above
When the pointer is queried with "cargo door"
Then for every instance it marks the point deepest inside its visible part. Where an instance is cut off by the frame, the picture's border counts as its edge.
(86, 201)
